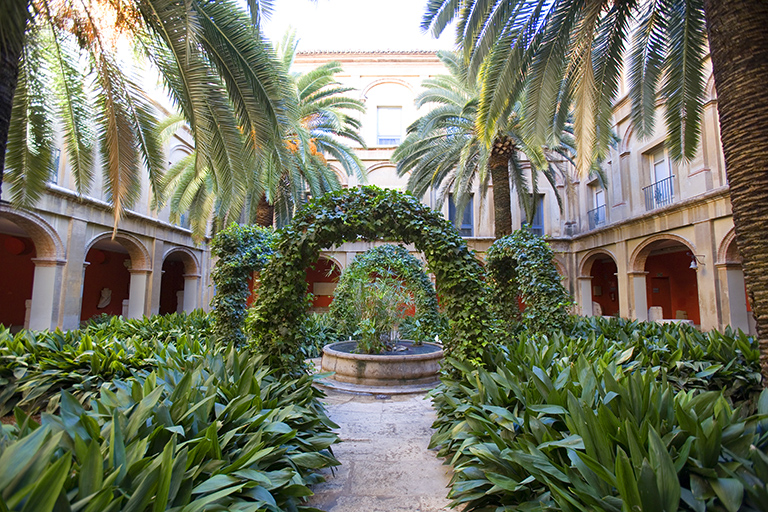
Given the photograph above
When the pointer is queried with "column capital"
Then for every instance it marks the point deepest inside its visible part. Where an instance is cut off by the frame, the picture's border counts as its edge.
(585, 278)
(637, 273)
(139, 271)
(48, 262)
(729, 265)
(191, 276)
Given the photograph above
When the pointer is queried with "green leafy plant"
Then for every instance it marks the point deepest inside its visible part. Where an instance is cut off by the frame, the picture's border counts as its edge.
(400, 273)
(317, 331)
(368, 213)
(241, 251)
(520, 267)
(606, 421)
(215, 431)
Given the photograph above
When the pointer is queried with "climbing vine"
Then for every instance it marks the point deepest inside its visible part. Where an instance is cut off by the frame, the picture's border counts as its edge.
(369, 213)
(388, 262)
(520, 266)
(242, 250)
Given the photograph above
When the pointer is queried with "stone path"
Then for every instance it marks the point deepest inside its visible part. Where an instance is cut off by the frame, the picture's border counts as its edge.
(386, 466)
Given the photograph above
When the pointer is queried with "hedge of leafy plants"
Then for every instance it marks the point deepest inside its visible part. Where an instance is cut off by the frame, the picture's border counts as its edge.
(520, 267)
(628, 417)
(388, 262)
(241, 251)
(368, 213)
(205, 428)
(36, 365)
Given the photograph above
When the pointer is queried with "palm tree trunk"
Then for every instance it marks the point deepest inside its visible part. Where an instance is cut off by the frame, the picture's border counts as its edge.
(11, 41)
(738, 41)
(265, 212)
(498, 163)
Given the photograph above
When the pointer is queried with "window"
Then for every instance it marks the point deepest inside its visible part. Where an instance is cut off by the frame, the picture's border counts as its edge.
(597, 214)
(389, 124)
(465, 228)
(661, 191)
(55, 165)
(536, 226)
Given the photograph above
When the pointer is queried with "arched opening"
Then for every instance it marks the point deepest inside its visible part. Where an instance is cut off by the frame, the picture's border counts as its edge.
(602, 298)
(115, 279)
(737, 311)
(17, 271)
(322, 278)
(106, 284)
(179, 284)
(671, 287)
(31, 258)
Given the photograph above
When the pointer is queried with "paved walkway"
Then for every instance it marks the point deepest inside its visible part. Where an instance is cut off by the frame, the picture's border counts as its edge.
(386, 466)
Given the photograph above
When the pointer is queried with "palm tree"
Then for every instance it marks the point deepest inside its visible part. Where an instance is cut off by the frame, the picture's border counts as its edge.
(318, 127)
(447, 148)
(216, 67)
(568, 52)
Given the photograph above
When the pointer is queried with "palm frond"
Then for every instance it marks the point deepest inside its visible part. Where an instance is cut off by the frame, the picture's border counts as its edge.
(646, 65)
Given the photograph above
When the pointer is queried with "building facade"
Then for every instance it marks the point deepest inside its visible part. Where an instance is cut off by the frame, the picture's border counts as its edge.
(656, 242)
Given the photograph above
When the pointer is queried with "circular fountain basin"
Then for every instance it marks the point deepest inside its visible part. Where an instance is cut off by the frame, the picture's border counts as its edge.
(416, 365)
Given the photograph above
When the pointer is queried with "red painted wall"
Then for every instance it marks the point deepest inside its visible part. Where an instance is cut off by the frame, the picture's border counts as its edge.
(603, 276)
(683, 289)
(171, 282)
(106, 270)
(319, 273)
(17, 272)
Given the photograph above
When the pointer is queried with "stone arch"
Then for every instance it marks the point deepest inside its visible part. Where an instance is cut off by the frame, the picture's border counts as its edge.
(387, 180)
(728, 251)
(191, 262)
(369, 214)
(341, 175)
(48, 244)
(179, 287)
(710, 93)
(641, 252)
(588, 260)
(624, 144)
(137, 251)
(110, 287)
(31, 280)
(598, 284)
(382, 81)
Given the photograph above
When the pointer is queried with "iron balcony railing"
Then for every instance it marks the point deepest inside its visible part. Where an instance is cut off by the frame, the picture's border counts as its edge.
(596, 216)
(659, 194)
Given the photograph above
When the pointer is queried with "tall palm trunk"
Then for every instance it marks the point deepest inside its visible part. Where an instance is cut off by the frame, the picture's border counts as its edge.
(11, 41)
(498, 164)
(738, 41)
(265, 212)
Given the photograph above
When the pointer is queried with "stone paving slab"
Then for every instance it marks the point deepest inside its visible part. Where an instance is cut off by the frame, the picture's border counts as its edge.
(386, 466)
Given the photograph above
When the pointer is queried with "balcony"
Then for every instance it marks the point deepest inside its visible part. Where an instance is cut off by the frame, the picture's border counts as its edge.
(661, 193)
(596, 217)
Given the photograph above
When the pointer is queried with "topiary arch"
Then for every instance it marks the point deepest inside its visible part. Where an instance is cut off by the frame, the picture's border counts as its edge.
(520, 266)
(368, 213)
(387, 261)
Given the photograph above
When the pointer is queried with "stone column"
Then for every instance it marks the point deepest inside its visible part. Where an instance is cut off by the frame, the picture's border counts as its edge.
(585, 295)
(44, 293)
(734, 304)
(638, 309)
(191, 291)
(137, 293)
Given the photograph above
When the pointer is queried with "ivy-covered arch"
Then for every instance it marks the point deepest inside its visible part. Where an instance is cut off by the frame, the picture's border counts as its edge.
(368, 213)
(387, 261)
(521, 266)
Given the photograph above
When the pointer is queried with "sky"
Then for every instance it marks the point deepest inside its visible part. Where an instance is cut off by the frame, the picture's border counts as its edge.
(355, 25)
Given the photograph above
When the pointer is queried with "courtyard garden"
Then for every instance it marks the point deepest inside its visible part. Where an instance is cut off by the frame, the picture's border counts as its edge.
(536, 409)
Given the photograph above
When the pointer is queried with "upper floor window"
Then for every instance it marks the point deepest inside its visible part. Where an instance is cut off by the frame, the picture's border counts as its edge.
(465, 227)
(661, 190)
(55, 166)
(536, 225)
(389, 126)
(597, 213)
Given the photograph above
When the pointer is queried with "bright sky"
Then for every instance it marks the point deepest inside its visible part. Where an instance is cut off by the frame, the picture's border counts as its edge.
(355, 25)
